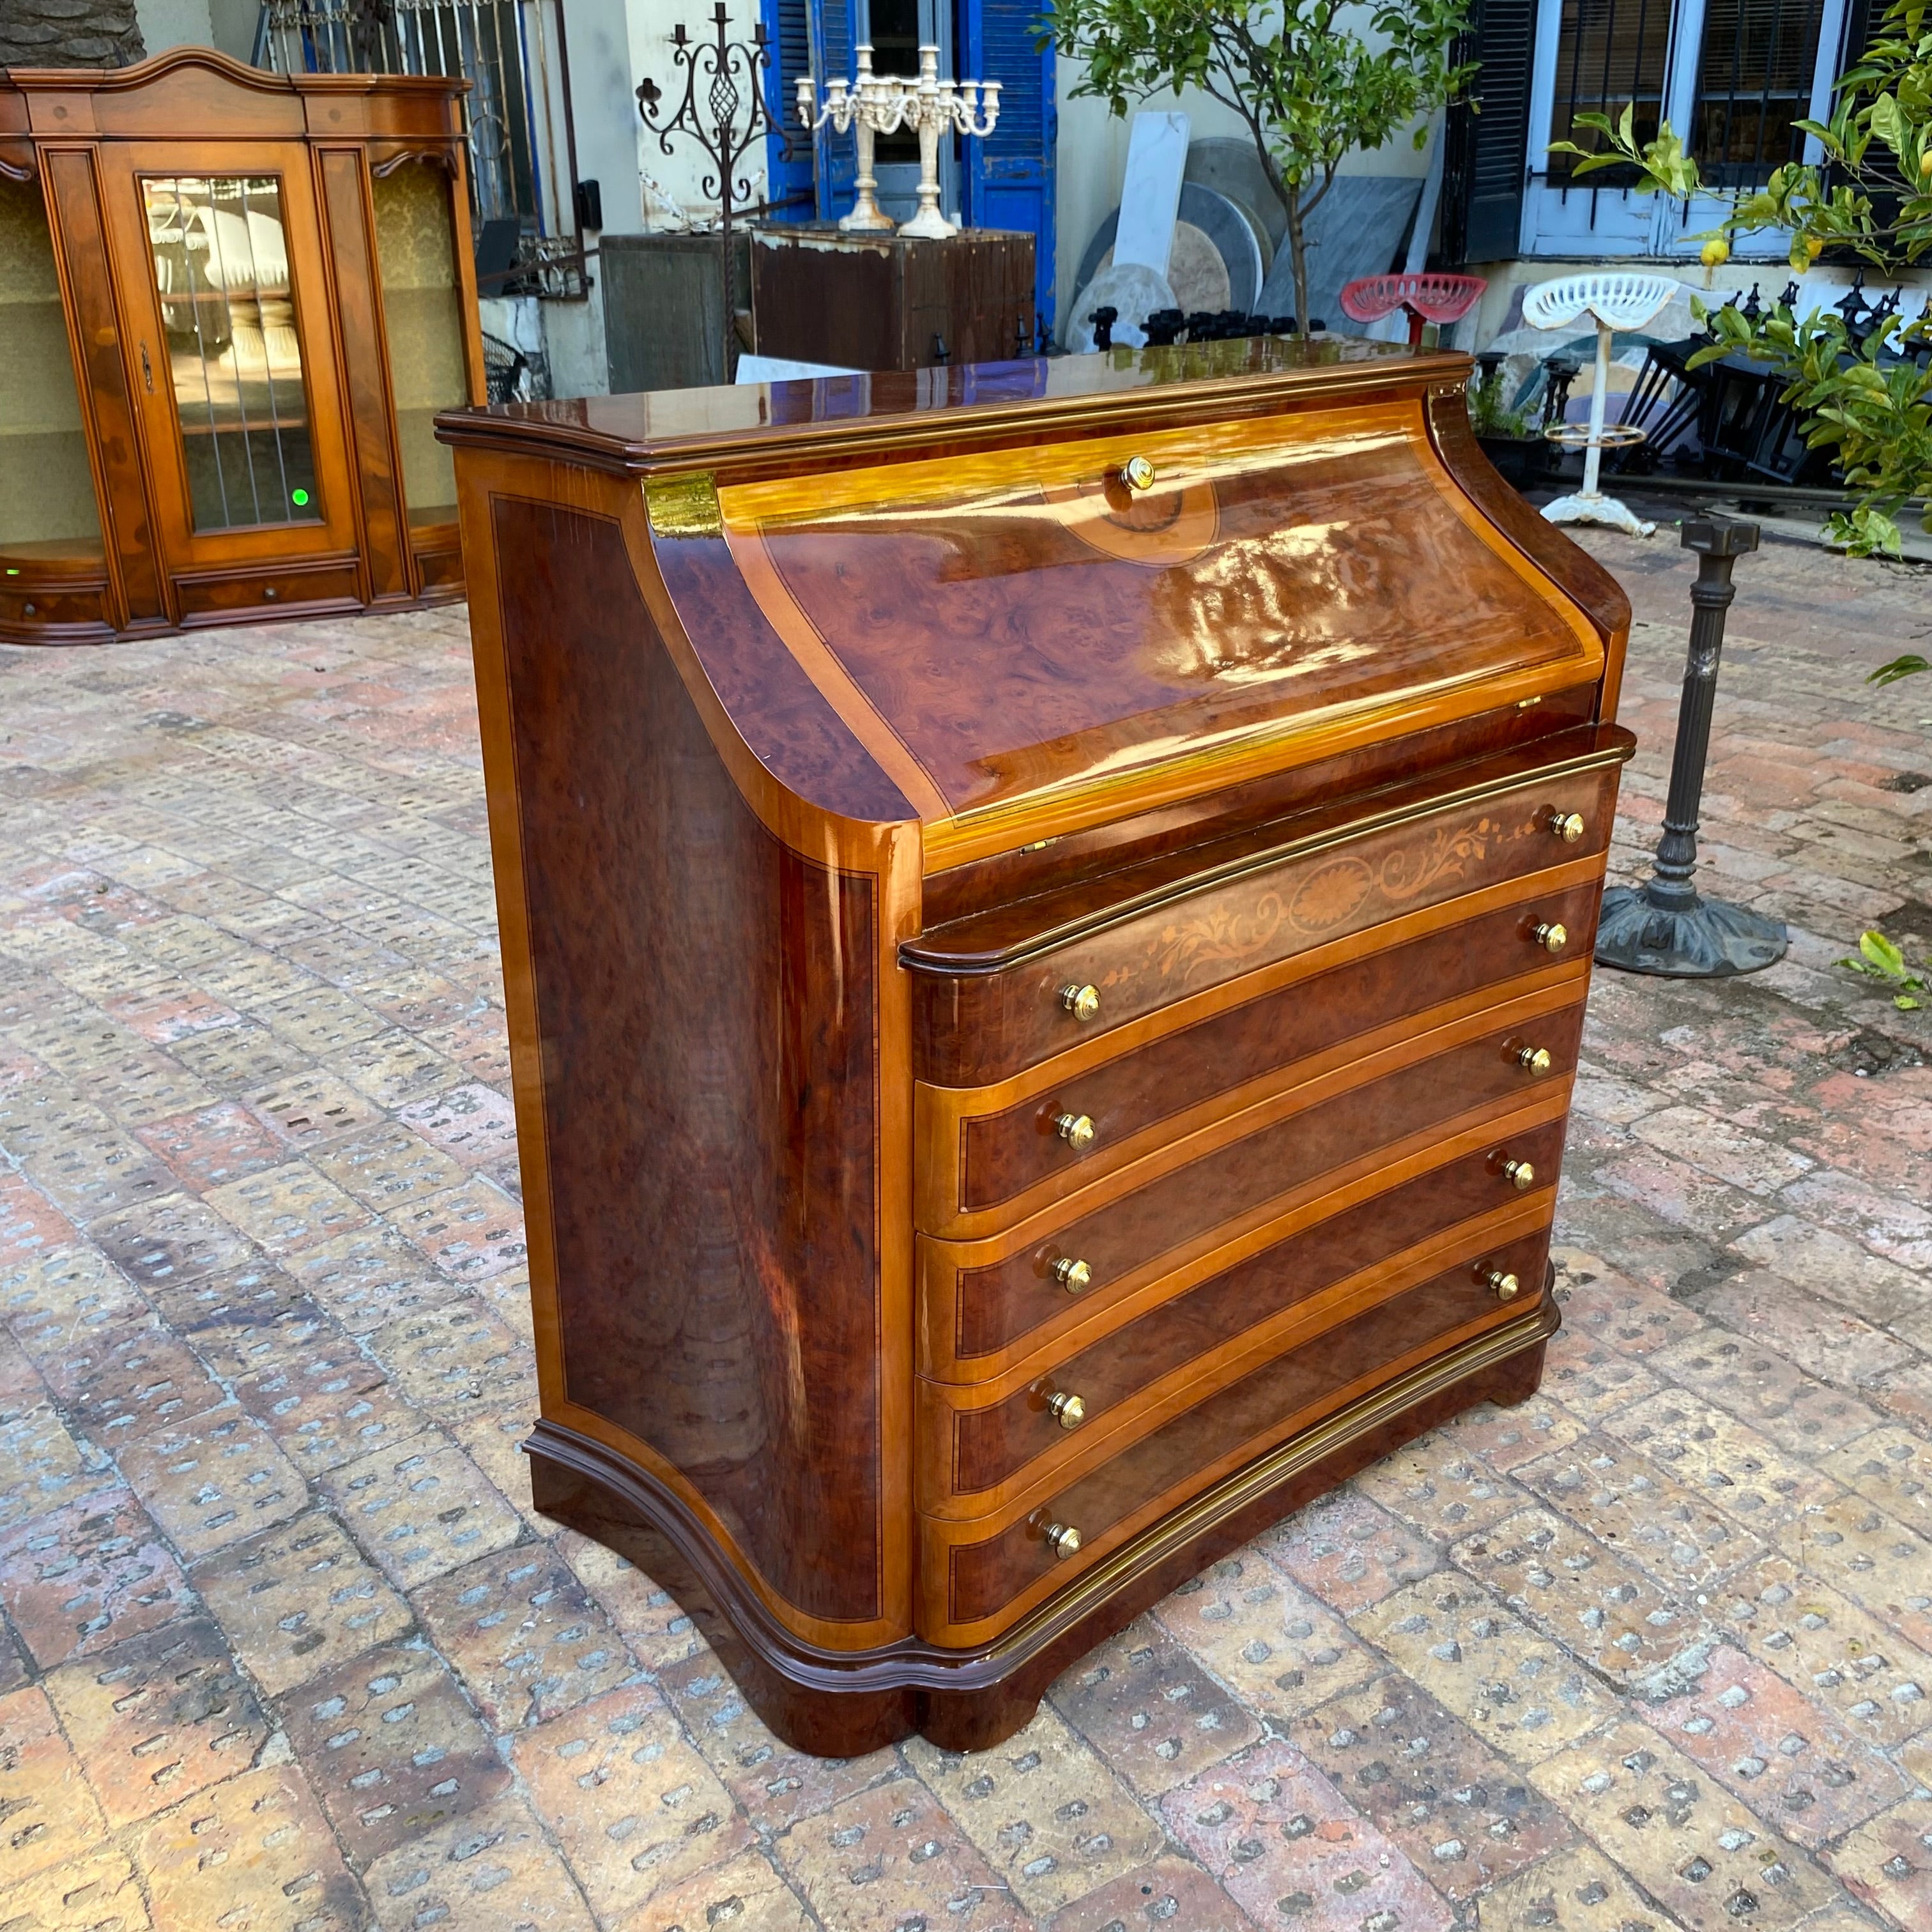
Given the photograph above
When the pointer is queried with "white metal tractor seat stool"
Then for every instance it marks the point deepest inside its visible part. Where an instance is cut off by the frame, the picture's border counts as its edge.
(1613, 300)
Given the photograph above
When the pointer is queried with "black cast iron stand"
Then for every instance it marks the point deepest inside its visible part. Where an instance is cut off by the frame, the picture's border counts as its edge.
(1663, 925)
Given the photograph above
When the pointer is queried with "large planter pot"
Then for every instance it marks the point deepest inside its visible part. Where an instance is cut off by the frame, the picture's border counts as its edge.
(1520, 460)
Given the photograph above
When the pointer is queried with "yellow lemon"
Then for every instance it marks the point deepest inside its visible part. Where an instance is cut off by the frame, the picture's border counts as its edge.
(1925, 163)
(1716, 254)
(1814, 247)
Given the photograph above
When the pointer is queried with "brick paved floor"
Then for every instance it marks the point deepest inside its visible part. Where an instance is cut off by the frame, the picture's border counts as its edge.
(285, 1648)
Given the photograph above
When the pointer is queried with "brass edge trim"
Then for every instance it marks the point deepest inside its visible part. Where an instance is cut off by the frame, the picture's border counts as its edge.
(1101, 921)
(913, 1662)
(1233, 1493)
(684, 505)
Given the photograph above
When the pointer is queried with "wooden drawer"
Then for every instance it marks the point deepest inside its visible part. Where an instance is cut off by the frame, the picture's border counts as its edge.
(997, 1154)
(234, 595)
(986, 1326)
(982, 1574)
(982, 1445)
(990, 993)
(1147, 1219)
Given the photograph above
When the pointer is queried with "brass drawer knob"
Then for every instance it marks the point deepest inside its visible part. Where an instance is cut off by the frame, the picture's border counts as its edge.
(1075, 1129)
(1076, 1277)
(1082, 1002)
(1551, 938)
(1069, 1411)
(1567, 826)
(1137, 473)
(1505, 1287)
(1519, 1174)
(1533, 1059)
(1062, 1538)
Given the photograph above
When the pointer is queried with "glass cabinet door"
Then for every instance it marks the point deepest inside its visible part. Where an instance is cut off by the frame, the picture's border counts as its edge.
(234, 370)
(218, 247)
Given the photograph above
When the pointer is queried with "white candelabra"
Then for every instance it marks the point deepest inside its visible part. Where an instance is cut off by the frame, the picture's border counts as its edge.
(875, 104)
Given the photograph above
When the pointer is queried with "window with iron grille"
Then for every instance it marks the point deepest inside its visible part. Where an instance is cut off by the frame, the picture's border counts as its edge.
(1734, 77)
(522, 165)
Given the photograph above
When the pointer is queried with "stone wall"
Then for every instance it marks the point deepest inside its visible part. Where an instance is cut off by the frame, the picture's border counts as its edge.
(69, 33)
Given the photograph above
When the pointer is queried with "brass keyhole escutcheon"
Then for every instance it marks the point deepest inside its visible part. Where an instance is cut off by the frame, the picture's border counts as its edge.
(1082, 1002)
(1075, 1129)
(1551, 937)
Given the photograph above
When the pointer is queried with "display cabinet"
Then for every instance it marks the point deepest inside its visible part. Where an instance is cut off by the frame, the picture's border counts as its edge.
(233, 303)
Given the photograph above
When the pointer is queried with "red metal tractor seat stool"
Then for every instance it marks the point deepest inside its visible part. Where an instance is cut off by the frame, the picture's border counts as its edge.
(1437, 299)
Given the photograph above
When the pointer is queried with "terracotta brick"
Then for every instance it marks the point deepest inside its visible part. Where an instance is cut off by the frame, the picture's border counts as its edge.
(1463, 1815)
(1167, 1893)
(635, 1808)
(158, 1717)
(209, 1147)
(1043, 1810)
(1574, 1891)
(1712, 1863)
(420, 1508)
(298, 1598)
(213, 1479)
(252, 1854)
(1586, 1597)
(1631, 1504)
(392, 1748)
(891, 1855)
(1278, 1648)
(1778, 1753)
(526, 1638)
(1348, 1551)
(746, 1894)
(1284, 1844)
(1837, 1653)
(98, 1892)
(87, 1574)
(51, 1816)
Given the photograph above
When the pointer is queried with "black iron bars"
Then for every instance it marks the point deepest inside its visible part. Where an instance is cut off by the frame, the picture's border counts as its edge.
(1663, 925)
(730, 75)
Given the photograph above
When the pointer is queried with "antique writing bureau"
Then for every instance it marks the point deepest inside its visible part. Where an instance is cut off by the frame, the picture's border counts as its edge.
(1046, 910)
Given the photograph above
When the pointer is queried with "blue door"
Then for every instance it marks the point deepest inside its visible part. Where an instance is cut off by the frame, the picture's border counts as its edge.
(1006, 181)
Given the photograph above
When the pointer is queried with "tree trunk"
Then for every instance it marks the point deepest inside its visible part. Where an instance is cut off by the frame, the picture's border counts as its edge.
(1298, 254)
(69, 33)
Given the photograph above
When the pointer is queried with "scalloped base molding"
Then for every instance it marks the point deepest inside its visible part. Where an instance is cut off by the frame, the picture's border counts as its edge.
(843, 1703)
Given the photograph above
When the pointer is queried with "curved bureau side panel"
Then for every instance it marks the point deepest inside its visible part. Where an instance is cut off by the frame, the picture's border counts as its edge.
(706, 1012)
(1595, 591)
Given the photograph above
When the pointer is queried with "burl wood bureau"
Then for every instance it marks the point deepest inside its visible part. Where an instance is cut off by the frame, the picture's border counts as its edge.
(1046, 910)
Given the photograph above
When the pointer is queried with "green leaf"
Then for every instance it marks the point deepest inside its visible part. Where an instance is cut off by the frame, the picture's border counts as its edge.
(1882, 954)
(1910, 665)
(1905, 1003)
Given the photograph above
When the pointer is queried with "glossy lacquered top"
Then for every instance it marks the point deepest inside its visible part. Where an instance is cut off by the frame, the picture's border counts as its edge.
(1022, 643)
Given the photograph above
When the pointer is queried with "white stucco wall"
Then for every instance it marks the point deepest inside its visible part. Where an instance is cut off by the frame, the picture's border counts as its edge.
(174, 23)
(647, 50)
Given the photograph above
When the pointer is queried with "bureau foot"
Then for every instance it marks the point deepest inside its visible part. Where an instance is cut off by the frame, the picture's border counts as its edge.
(845, 1703)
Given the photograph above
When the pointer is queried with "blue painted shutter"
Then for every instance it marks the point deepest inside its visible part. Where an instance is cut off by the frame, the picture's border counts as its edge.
(788, 36)
(1009, 176)
(836, 165)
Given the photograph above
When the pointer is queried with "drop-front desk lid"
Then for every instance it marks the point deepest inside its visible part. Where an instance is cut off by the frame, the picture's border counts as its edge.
(1024, 643)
